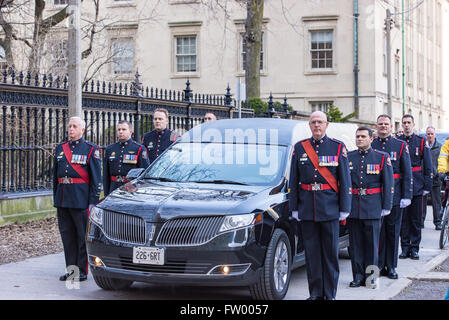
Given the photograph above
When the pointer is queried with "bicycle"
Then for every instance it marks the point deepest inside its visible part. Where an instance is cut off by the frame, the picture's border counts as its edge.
(444, 235)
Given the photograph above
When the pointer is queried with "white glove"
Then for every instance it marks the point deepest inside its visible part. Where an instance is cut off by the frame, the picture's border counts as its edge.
(386, 212)
(424, 193)
(404, 203)
(295, 215)
(343, 216)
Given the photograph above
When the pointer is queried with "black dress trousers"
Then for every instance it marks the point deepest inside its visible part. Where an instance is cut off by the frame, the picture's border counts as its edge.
(72, 226)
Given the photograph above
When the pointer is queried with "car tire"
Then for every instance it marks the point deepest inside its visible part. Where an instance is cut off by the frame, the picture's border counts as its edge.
(275, 278)
(111, 283)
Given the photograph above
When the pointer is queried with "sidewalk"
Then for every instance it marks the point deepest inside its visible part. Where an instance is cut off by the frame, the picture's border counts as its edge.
(37, 278)
(408, 270)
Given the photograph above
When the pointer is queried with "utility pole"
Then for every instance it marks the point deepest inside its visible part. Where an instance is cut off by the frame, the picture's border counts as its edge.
(388, 25)
(356, 58)
(403, 59)
(74, 58)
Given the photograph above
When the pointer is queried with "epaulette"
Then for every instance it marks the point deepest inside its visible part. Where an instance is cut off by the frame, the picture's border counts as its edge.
(138, 144)
(335, 140)
(111, 146)
(381, 152)
(91, 144)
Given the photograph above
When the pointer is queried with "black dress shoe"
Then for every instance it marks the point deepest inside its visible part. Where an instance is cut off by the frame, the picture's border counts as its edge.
(404, 255)
(356, 283)
(392, 274)
(83, 277)
(414, 255)
(438, 227)
(315, 298)
(64, 277)
(383, 272)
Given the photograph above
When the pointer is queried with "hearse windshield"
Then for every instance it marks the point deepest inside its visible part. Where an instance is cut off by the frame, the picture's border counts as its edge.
(219, 163)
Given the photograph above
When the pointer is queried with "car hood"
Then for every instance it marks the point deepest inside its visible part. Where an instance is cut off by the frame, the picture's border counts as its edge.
(159, 201)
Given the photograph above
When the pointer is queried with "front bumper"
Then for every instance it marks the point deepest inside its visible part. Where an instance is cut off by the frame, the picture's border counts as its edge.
(188, 265)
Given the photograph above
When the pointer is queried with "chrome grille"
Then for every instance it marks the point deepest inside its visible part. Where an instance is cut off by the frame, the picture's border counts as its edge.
(188, 231)
(124, 228)
(170, 267)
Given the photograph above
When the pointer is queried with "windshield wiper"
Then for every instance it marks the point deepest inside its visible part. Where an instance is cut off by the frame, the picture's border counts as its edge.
(221, 182)
(162, 179)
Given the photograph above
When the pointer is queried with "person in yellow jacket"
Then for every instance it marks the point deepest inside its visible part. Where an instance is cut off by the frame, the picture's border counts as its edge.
(443, 159)
(443, 168)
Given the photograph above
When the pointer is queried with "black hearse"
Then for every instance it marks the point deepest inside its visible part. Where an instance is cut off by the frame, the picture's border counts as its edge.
(211, 210)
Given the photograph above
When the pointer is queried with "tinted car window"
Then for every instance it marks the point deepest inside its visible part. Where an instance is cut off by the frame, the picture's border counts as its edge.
(249, 164)
(439, 136)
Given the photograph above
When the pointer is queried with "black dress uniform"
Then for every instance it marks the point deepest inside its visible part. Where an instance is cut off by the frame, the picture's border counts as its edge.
(372, 192)
(319, 208)
(157, 141)
(422, 181)
(403, 189)
(119, 158)
(76, 185)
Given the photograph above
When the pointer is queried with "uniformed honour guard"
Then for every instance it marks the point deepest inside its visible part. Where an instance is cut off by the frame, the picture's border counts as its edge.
(209, 116)
(122, 156)
(372, 198)
(422, 184)
(403, 192)
(319, 197)
(159, 139)
(76, 189)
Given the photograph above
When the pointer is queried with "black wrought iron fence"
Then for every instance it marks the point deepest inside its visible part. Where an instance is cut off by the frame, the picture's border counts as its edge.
(34, 116)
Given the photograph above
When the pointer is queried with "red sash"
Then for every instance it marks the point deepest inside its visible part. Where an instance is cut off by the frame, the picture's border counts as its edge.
(77, 167)
(327, 175)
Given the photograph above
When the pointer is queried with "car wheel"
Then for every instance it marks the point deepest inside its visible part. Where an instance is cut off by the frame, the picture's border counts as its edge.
(444, 233)
(275, 278)
(111, 283)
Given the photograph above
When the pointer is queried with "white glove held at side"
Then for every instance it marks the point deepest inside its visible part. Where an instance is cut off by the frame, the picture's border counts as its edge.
(343, 216)
(385, 213)
(295, 215)
(405, 203)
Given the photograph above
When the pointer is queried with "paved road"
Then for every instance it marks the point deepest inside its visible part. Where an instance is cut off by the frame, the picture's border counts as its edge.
(37, 278)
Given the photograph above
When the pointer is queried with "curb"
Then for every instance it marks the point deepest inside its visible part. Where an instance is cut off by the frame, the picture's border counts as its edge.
(424, 273)
(433, 276)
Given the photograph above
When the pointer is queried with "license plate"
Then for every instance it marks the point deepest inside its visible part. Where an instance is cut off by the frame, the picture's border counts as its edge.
(147, 255)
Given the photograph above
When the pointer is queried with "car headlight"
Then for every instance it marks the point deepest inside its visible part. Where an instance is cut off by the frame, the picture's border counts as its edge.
(96, 216)
(239, 221)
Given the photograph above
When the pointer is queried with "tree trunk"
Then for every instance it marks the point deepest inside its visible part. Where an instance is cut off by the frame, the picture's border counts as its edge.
(253, 37)
(41, 28)
(6, 43)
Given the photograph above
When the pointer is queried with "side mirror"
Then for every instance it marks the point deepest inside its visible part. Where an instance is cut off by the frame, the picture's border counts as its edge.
(134, 173)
